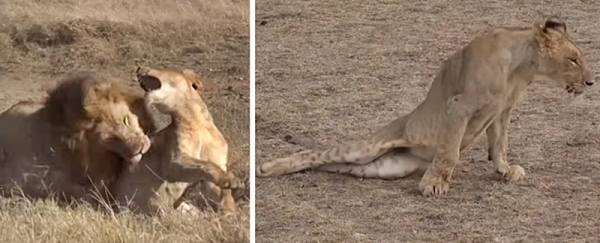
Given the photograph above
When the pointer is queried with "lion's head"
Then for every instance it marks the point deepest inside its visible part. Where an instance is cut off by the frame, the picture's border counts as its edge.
(105, 112)
(166, 89)
(561, 59)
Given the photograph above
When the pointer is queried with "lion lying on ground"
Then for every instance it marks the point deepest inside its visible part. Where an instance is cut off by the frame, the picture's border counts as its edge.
(76, 142)
(475, 91)
(190, 150)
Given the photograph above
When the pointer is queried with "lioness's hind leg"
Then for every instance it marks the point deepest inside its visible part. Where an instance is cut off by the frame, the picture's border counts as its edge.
(392, 165)
(362, 152)
(497, 134)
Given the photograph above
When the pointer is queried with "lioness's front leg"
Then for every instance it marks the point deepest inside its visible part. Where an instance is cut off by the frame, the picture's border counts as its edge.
(436, 180)
(187, 169)
(497, 134)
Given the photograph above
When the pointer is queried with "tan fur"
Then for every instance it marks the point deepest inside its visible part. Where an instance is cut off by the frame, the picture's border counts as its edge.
(85, 133)
(191, 150)
(475, 91)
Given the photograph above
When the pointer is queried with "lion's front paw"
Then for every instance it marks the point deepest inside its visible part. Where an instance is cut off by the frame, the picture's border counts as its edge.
(511, 172)
(433, 185)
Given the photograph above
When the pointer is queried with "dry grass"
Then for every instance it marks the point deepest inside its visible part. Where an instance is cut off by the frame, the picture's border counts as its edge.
(334, 71)
(45, 221)
(41, 40)
(75, 34)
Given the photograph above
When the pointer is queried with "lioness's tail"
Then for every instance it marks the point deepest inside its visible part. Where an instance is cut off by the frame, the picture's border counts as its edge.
(355, 152)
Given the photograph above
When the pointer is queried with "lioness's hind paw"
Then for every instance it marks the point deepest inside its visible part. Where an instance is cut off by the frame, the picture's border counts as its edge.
(187, 208)
(266, 170)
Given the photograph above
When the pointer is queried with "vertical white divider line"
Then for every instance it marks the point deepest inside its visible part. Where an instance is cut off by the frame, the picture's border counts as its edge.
(252, 120)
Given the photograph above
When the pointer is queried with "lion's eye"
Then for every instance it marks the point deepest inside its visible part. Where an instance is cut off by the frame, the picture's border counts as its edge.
(126, 121)
(573, 61)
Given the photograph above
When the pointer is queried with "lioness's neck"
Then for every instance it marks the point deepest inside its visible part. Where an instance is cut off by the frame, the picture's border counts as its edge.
(524, 51)
(191, 113)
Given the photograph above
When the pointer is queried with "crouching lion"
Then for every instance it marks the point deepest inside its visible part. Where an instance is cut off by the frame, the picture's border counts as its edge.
(85, 133)
(475, 91)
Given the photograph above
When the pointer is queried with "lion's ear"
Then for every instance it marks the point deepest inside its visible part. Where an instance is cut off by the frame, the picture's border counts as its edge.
(194, 78)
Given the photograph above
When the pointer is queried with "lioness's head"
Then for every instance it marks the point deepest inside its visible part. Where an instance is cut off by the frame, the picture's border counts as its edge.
(561, 59)
(168, 89)
(102, 112)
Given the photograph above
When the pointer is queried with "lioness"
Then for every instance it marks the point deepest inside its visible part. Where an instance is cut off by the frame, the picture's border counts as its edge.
(190, 150)
(76, 141)
(475, 91)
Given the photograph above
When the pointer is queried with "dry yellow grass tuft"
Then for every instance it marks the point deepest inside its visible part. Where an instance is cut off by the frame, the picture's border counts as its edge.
(40, 40)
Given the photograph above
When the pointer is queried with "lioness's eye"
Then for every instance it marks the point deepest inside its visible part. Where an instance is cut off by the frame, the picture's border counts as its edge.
(573, 61)
(126, 121)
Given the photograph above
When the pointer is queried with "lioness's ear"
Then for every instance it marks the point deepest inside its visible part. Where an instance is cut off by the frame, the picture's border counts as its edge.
(556, 24)
(550, 32)
(149, 82)
(141, 71)
(194, 78)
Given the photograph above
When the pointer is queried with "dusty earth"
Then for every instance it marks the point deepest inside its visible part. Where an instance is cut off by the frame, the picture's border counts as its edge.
(42, 40)
(332, 70)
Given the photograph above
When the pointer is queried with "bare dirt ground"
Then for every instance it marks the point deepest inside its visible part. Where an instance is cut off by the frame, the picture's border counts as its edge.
(338, 70)
(41, 40)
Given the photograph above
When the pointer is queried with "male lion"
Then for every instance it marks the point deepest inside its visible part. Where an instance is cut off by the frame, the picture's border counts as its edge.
(190, 150)
(475, 91)
(76, 141)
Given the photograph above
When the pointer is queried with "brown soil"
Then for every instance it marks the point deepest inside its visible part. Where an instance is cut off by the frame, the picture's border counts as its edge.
(42, 40)
(339, 70)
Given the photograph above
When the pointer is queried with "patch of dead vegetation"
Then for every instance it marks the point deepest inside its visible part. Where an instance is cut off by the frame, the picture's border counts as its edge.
(70, 34)
(46, 221)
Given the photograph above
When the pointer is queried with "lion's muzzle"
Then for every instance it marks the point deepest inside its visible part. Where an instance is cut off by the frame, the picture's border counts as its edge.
(137, 147)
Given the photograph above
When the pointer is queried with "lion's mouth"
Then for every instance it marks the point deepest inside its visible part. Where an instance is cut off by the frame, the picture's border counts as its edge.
(133, 151)
(136, 159)
(134, 162)
(573, 90)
